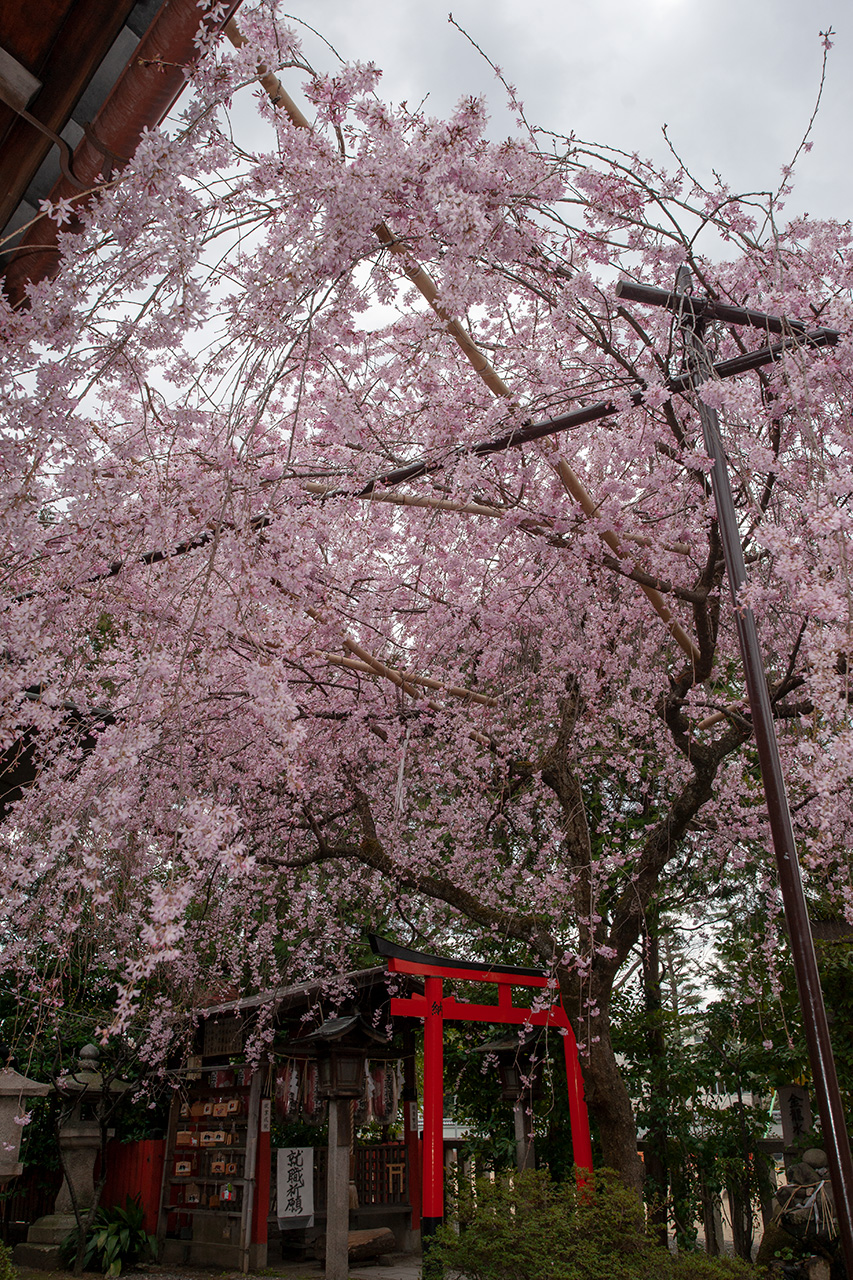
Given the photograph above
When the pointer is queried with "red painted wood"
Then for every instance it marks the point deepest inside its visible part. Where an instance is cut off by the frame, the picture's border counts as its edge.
(135, 1169)
(458, 1011)
(261, 1203)
(504, 1011)
(581, 1138)
(147, 88)
(433, 1175)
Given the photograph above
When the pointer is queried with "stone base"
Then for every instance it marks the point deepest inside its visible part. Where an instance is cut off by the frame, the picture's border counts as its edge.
(37, 1257)
(40, 1250)
(52, 1228)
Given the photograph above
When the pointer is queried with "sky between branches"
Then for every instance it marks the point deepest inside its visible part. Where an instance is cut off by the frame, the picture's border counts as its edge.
(734, 80)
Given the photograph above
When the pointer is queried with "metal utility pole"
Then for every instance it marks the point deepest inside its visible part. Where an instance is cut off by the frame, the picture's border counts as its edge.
(692, 313)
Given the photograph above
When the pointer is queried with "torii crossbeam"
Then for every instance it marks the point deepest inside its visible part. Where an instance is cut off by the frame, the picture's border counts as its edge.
(436, 1008)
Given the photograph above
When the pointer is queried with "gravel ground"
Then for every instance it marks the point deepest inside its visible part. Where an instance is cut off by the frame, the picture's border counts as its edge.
(397, 1267)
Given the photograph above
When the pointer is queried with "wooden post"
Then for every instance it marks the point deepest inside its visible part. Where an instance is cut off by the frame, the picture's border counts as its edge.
(260, 1214)
(249, 1168)
(337, 1189)
(410, 1128)
(162, 1212)
(525, 1153)
(581, 1139)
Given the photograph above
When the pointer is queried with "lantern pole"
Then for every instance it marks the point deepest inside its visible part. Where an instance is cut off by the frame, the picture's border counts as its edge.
(691, 313)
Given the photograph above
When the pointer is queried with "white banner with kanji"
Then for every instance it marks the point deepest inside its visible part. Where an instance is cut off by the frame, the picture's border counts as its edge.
(295, 1187)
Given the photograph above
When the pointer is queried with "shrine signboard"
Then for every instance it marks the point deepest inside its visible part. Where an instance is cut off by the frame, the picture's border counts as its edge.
(295, 1187)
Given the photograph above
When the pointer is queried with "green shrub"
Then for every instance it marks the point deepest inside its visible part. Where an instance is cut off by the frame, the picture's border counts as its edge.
(8, 1270)
(117, 1239)
(525, 1227)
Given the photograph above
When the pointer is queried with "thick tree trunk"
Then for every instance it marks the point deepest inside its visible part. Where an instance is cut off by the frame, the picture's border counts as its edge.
(606, 1096)
(657, 1137)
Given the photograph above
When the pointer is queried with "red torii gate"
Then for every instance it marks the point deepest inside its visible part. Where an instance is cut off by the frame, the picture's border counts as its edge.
(435, 1009)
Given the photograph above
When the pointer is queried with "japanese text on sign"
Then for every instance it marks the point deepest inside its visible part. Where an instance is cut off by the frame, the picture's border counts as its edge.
(295, 1187)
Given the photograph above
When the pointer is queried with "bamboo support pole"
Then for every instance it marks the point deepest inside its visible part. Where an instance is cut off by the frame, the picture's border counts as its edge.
(574, 487)
(276, 91)
(414, 500)
(407, 677)
(428, 290)
(532, 521)
(404, 683)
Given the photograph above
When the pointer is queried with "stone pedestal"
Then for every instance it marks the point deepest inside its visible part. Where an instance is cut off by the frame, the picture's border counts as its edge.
(40, 1250)
(14, 1090)
(80, 1144)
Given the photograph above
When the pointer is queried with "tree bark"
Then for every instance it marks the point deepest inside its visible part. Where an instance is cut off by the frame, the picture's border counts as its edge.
(606, 1095)
(656, 1163)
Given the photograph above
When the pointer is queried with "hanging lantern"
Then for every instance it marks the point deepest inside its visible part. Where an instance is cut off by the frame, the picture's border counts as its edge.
(341, 1047)
(341, 1074)
(516, 1068)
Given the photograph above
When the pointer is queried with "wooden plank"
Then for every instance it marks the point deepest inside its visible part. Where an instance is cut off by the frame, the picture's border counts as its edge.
(163, 1212)
(17, 86)
(249, 1166)
(66, 56)
(28, 32)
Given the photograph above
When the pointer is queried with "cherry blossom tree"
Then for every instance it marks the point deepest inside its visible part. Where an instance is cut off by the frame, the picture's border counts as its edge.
(267, 682)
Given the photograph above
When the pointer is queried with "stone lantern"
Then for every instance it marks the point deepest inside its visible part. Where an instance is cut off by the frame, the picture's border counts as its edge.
(14, 1088)
(342, 1046)
(518, 1082)
(80, 1144)
(80, 1133)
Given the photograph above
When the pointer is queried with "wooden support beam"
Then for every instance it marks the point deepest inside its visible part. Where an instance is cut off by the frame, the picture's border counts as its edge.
(65, 67)
(17, 86)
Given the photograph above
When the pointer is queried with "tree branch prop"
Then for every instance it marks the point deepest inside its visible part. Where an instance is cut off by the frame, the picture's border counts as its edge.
(428, 289)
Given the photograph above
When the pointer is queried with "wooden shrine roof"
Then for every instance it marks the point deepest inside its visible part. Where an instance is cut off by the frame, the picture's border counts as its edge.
(73, 51)
(80, 80)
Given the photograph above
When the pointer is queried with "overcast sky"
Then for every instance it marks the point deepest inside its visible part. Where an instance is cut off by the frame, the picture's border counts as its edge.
(735, 80)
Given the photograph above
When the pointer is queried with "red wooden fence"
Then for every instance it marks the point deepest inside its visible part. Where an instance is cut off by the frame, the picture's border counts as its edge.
(135, 1169)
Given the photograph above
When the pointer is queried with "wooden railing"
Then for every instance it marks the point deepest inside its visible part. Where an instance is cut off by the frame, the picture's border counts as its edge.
(381, 1175)
(31, 1195)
